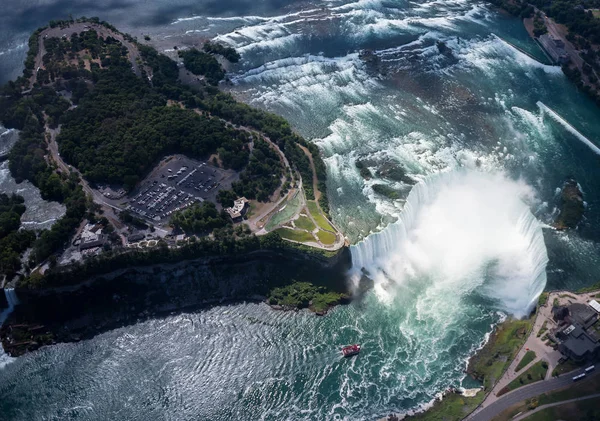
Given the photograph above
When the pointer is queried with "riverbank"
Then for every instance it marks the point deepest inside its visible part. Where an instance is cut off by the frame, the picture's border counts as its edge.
(128, 296)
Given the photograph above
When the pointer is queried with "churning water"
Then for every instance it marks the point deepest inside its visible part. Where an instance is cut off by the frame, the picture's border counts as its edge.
(473, 135)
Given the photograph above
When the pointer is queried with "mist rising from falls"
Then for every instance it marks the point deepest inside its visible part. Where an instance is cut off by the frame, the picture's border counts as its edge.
(460, 233)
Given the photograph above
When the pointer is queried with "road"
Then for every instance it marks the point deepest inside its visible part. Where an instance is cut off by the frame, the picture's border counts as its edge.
(523, 393)
(550, 405)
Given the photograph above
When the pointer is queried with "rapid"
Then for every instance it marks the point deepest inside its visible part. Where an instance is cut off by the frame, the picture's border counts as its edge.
(474, 137)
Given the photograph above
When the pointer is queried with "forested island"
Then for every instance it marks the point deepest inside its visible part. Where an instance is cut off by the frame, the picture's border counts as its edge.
(95, 107)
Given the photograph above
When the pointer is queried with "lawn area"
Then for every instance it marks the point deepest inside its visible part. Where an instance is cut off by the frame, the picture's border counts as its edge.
(565, 367)
(453, 407)
(491, 361)
(596, 13)
(292, 207)
(316, 213)
(305, 223)
(543, 329)
(527, 358)
(326, 237)
(295, 235)
(586, 387)
(587, 409)
(591, 288)
(535, 373)
(543, 298)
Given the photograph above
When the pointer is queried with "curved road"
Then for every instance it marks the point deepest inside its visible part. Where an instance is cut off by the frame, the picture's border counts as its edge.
(523, 393)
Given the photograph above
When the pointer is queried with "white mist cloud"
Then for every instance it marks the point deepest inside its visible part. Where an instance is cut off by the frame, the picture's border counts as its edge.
(461, 232)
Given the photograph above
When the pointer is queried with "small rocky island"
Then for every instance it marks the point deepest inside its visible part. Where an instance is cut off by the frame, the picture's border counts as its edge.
(572, 206)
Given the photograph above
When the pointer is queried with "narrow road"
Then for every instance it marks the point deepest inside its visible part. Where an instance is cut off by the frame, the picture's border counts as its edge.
(525, 392)
(550, 405)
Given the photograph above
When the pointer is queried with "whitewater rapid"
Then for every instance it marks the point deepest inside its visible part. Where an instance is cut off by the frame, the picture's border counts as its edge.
(459, 233)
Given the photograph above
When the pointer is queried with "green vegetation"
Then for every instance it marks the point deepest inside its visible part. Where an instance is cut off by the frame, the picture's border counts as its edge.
(118, 132)
(228, 52)
(539, 27)
(263, 174)
(494, 358)
(543, 329)
(591, 288)
(535, 373)
(13, 242)
(304, 295)
(295, 235)
(543, 299)
(200, 218)
(201, 63)
(584, 388)
(305, 223)
(584, 410)
(321, 221)
(555, 302)
(565, 367)
(527, 358)
(385, 190)
(326, 237)
(453, 407)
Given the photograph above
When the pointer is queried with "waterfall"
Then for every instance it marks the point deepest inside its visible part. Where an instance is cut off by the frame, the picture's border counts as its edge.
(461, 232)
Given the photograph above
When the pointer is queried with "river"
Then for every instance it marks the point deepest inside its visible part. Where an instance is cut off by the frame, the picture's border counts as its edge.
(486, 133)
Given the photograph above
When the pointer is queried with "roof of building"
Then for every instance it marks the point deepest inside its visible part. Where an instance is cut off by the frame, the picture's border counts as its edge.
(577, 341)
(238, 207)
(583, 314)
(595, 305)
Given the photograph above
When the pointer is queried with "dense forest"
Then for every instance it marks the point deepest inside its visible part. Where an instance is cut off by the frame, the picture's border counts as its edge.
(204, 64)
(13, 241)
(123, 124)
(200, 218)
(228, 52)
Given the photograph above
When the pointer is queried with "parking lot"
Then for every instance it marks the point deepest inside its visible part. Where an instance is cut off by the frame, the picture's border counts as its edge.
(176, 183)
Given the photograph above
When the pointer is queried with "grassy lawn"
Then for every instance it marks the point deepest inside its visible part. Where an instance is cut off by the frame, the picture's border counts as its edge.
(543, 329)
(295, 235)
(292, 207)
(591, 288)
(315, 211)
(326, 237)
(527, 358)
(581, 410)
(565, 367)
(452, 407)
(305, 223)
(584, 388)
(535, 373)
(491, 361)
(543, 298)
(596, 13)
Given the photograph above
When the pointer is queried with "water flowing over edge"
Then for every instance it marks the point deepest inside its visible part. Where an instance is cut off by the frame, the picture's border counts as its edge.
(374, 253)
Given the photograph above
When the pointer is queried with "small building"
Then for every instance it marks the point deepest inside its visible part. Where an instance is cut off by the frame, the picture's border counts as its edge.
(238, 210)
(555, 47)
(92, 243)
(136, 236)
(595, 305)
(583, 315)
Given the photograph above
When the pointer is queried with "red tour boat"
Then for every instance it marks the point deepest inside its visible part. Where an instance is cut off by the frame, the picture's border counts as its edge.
(350, 350)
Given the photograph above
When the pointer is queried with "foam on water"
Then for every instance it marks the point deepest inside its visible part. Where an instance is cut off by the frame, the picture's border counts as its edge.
(459, 233)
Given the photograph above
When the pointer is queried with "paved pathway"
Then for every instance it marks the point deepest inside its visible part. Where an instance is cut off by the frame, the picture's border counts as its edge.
(550, 405)
(523, 393)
